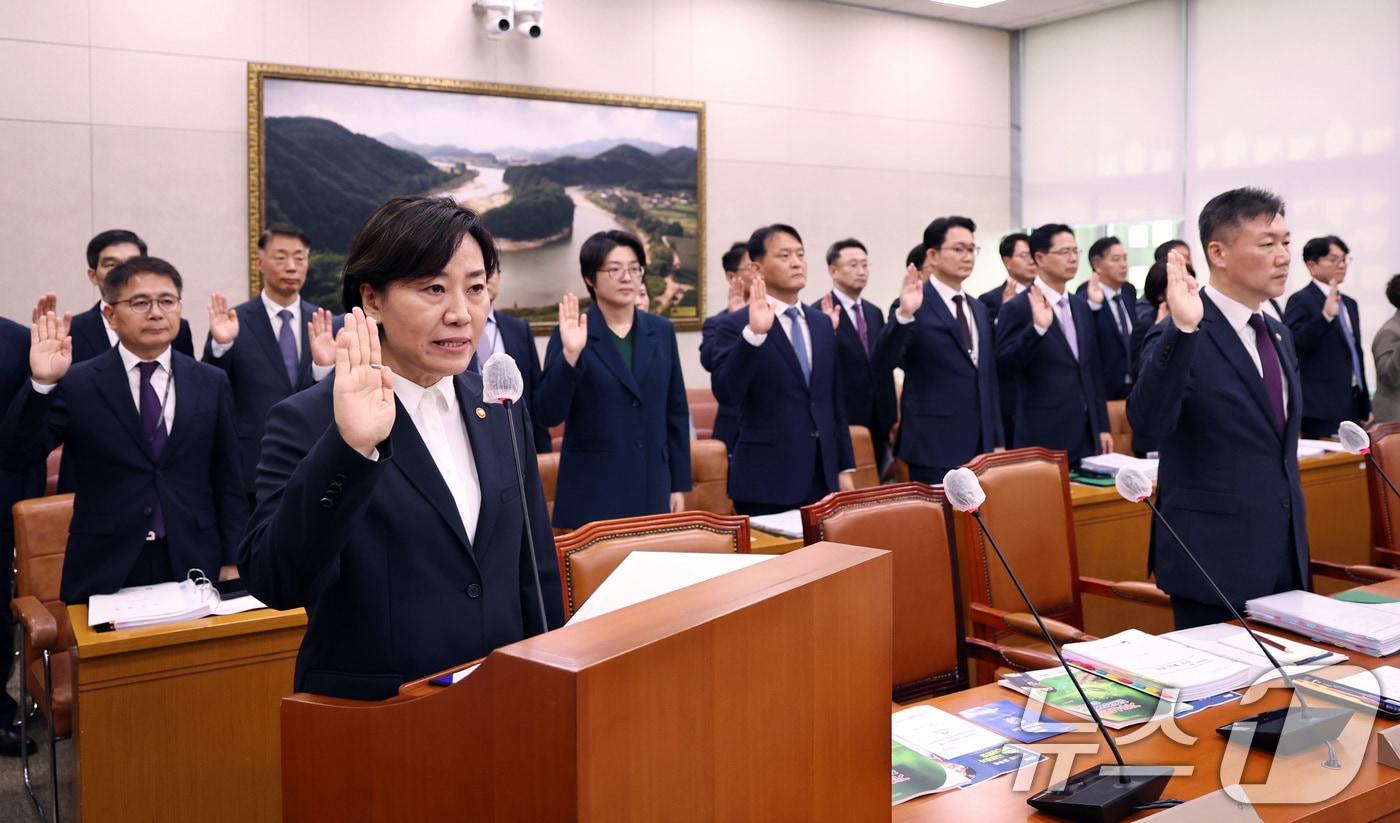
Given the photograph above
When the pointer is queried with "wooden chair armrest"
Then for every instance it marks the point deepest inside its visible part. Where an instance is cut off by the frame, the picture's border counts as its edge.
(1357, 573)
(1137, 590)
(39, 624)
(1016, 657)
(1024, 623)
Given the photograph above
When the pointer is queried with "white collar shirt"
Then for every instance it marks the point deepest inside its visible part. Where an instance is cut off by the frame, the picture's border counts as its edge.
(437, 416)
(160, 381)
(1237, 315)
(946, 294)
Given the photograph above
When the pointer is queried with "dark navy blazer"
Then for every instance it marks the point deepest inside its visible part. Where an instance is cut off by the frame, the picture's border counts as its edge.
(1323, 359)
(868, 383)
(1115, 350)
(377, 553)
(950, 407)
(1006, 381)
(726, 416)
(626, 431)
(117, 479)
(782, 422)
(20, 484)
(258, 377)
(1228, 480)
(1059, 400)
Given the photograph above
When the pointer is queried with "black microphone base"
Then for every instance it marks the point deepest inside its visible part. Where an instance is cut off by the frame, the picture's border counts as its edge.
(1100, 794)
(1289, 730)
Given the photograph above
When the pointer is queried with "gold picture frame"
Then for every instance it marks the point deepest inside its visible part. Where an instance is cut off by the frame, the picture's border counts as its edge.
(679, 244)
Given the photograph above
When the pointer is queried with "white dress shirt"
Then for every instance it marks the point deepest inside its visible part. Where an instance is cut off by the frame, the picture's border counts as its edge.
(1237, 315)
(318, 373)
(111, 332)
(852, 307)
(947, 294)
(490, 338)
(160, 381)
(438, 418)
(785, 323)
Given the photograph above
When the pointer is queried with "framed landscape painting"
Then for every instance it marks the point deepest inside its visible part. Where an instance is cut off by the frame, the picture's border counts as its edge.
(546, 169)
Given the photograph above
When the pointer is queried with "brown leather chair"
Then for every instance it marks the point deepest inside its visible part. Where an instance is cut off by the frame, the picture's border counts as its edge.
(867, 474)
(1119, 428)
(709, 478)
(1385, 505)
(914, 522)
(41, 539)
(549, 477)
(588, 554)
(703, 408)
(556, 437)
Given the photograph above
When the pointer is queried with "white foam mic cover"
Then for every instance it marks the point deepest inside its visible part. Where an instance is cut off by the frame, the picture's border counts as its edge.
(1132, 484)
(1354, 438)
(500, 379)
(963, 489)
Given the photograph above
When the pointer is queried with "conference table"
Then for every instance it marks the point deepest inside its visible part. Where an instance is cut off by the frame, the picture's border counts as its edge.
(1362, 789)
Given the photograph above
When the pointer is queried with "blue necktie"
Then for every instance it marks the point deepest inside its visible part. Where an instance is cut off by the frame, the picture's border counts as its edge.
(799, 346)
(287, 342)
(1351, 343)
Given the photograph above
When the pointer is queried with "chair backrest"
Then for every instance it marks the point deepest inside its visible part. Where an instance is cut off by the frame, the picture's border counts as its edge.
(703, 408)
(1029, 513)
(588, 554)
(915, 523)
(1118, 427)
(867, 473)
(41, 540)
(709, 478)
(1385, 508)
(549, 477)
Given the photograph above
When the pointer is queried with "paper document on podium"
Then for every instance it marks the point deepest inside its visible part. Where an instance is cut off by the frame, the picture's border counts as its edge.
(643, 575)
(138, 606)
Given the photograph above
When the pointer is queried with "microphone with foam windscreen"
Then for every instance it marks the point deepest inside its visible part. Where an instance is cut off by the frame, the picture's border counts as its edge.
(1272, 730)
(1357, 441)
(1103, 793)
(501, 382)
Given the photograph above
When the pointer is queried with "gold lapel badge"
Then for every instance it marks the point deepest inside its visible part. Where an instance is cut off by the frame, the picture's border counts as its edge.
(481, 413)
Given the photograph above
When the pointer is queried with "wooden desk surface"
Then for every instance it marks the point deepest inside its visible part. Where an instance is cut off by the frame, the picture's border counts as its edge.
(1365, 790)
(92, 643)
(762, 542)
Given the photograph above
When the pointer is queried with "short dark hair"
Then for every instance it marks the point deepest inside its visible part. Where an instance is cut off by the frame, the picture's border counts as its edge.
(118, 277)
(1392, 291)
(937, 230)
(1007, 247)
(758, 241)
(1227, 210)
(282, 230)
(1161, 252)
(834, 253)
(112, 237)
(597, 248)
(1101, 247)
(1154, 287)
(1319, 247)
(1043, 237)
(917, 256)
(410, 238)
(731, 259)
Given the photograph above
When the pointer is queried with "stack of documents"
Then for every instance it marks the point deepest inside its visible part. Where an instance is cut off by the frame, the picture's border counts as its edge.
(1109, 464)
(138, 606)
(784, 524)
(1366, 629)
(1234, 643)
(1313, 448)
(1158, 666)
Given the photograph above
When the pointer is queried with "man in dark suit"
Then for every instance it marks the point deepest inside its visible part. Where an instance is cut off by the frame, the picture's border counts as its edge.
(14, 487)
(943, 339)
(870, 400)
(92, 334)
(1113, 301)
(512, 335)
(273, 345)
(154, 455)
(1015, 251)
(739, 272)
(1045, 336)
(1219, 390)
(1327, 333)
(777, 366)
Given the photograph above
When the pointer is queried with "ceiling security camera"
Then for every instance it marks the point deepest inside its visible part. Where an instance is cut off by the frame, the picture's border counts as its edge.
(529, 17)
(499, 15)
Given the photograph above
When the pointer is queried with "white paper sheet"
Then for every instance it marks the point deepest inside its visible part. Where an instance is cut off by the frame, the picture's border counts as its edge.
(643, 575)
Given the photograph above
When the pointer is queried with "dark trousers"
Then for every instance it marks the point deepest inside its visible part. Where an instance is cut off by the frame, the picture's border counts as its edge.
(815, 491)
(1188, 614)
(8, 705)
(153, 566)
(932, 475)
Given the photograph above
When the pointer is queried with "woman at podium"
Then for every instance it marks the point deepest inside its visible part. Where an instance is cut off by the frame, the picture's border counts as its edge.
(388, 502)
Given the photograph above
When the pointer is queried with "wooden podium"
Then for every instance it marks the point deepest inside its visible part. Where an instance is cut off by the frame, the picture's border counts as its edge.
(760, 695)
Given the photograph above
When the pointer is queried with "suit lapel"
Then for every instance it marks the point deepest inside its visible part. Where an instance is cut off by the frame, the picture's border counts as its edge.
(600, 340)
(823, 349)
(413, 460)
(255, 315)
(783, 343)
(112, 383)
(1288, 359)
(945, 319)
(484, 434)
(189, 392)
(304, 362)
(93, 332)
(1230, 345)
(643, 347)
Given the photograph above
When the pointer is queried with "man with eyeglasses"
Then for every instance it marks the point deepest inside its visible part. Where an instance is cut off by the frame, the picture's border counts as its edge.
(1113, 301)
(1015, 251)
(92, 334)
(1327, 334)
(870, 400)
(273, 345)
(739, 272)
(156, 470)
(1045, 337)
(943, 339)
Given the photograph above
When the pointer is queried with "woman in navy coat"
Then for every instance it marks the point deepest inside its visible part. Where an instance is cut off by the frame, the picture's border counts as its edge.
(612, 375)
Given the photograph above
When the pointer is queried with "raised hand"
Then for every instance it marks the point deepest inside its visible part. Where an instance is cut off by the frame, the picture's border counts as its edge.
(1008, 291)
(761, 312)
(573, 328)
(831, 310)
(50, 347)
(1334, 299)
(1095, 289)
(47, 303)
(318, 331)
(911, 291)
(364, 387)
(736, 293)
(223, 321)
(1042, 313)
(1183, 294)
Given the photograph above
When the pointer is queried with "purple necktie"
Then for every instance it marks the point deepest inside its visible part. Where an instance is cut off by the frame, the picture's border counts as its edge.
(287, 342)
(860, 327)
(153, 424)
(1268, 364)
(962, 323)
(1067, 326)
